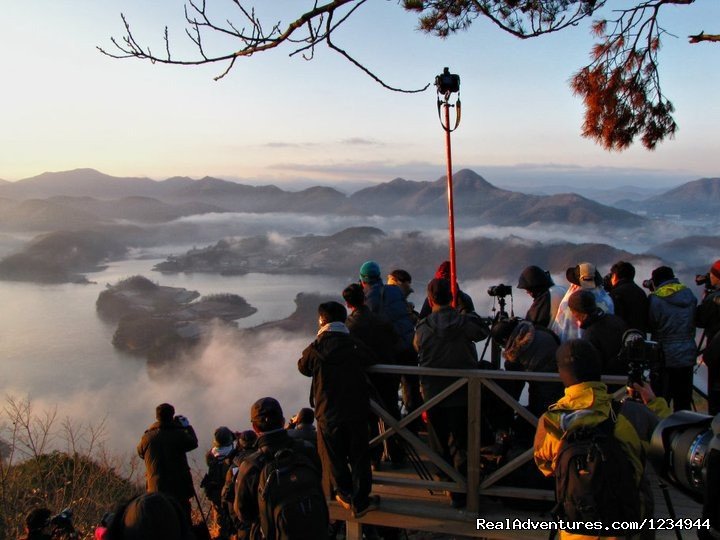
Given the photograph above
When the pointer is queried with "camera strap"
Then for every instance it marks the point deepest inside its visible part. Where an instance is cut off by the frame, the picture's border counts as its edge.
(458, 114)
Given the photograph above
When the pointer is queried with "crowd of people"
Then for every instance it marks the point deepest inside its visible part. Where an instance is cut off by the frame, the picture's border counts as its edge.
(274, 480)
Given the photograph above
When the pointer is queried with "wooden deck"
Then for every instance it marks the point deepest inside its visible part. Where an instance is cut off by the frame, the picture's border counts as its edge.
(421, 504)
(418, 510)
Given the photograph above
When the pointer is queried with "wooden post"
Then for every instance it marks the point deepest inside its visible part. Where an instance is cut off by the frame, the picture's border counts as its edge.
(473, 450)
(353, 530)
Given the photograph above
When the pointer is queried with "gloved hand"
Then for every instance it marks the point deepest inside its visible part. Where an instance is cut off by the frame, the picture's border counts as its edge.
(184, 422)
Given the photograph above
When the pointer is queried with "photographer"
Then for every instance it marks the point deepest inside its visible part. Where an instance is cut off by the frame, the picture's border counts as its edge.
(630, 301)
(163, 447)
(672, 324)
(40, 524)
(545, 294)
(708, 317)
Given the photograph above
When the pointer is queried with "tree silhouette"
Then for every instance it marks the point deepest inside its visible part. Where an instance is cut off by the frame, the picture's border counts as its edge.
(620, 88)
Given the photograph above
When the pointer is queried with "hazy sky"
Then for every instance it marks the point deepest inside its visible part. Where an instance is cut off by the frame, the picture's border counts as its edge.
(275, 118)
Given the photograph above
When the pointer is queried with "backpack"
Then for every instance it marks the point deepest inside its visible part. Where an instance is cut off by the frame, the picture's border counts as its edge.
(214, 480)
(291, 502)
(594, 478)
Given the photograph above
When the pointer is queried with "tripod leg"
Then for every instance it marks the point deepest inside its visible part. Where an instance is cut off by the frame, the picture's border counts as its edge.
(668, 503)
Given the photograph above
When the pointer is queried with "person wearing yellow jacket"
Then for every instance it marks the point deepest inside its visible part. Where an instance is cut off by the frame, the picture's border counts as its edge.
(587, 403)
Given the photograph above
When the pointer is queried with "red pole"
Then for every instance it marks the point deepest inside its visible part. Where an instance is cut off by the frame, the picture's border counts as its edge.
(451, 214)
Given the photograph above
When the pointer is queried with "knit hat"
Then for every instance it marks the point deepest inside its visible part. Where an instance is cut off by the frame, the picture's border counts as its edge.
(661, 274)
(582, 301)
(715, 269)
(443, 271)
(438, 290)
(223, 436)
(266, 411)
(369, 271)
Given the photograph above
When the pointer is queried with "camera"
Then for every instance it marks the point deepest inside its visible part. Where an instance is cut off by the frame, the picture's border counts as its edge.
(607, 282)
(62, 525)
(685, 450)
(648, 284)
(500, 291)
(702, 279)
(447, 83)
(643, 357)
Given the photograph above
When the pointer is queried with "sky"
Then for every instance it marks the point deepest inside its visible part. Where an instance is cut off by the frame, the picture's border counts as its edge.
(280, 119)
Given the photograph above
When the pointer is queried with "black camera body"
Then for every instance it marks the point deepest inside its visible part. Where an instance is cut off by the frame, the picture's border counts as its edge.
(501, 290)
(62, 525)
(644, 360)
(447, 83)
(703, 280)
(648, 284)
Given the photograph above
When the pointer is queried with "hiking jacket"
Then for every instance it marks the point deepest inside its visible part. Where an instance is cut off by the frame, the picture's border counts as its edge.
(545, 305)
(565, 324)
(389, 301)
(339, 391)
(531, 349)
(245, 505)
(605, 332)
(631, 304)
(446, 339)
(375, 332)
(672, 323)
(589, 404)
(163, 447)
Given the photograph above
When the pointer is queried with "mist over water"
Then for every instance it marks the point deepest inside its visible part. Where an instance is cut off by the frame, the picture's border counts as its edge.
(56, 350)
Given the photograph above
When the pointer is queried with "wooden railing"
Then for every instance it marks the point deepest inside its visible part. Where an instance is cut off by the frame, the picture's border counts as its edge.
(477, 381)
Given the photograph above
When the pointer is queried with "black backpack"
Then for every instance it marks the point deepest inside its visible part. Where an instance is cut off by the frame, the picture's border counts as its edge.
(214, 480)
(291, 501)
(594, 478)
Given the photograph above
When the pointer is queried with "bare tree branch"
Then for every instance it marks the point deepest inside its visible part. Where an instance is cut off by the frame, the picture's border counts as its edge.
(702, 36)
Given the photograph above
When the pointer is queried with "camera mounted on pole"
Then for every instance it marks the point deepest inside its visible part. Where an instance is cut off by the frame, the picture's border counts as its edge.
(447, 84)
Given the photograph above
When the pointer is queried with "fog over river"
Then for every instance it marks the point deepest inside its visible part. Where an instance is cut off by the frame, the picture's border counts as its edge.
(55, 350)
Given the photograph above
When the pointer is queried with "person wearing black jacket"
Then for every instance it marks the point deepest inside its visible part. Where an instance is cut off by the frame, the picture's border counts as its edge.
(707, 317)
(340, 396)
(630, 301)
(268, 423)
(163, 447)
(604, 330)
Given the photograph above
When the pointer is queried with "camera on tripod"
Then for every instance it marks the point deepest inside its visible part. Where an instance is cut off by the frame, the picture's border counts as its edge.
(643, 357)
(500, 291)
(447, 83)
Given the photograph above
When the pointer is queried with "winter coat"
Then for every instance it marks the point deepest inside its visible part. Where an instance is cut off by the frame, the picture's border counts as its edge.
(708, 315)
(589, 404)
(545, 305)
(565, 324)
(446, 339)
(339, 392)
(375, 332)
(631, 304)
(389, 301)
(532, 348)
(245, 505)
(672, 323)
(163, 447)
(605, 332)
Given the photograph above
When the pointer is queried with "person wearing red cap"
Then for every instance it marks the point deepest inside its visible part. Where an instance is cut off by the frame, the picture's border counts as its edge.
(708, 317)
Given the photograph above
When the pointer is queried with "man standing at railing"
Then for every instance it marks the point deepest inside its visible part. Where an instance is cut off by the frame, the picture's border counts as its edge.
(446, 339)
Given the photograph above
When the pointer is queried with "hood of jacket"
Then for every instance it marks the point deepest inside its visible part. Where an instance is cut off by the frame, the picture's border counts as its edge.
(446, 323)
(676, 294)
(584, 404)
(521, 338)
